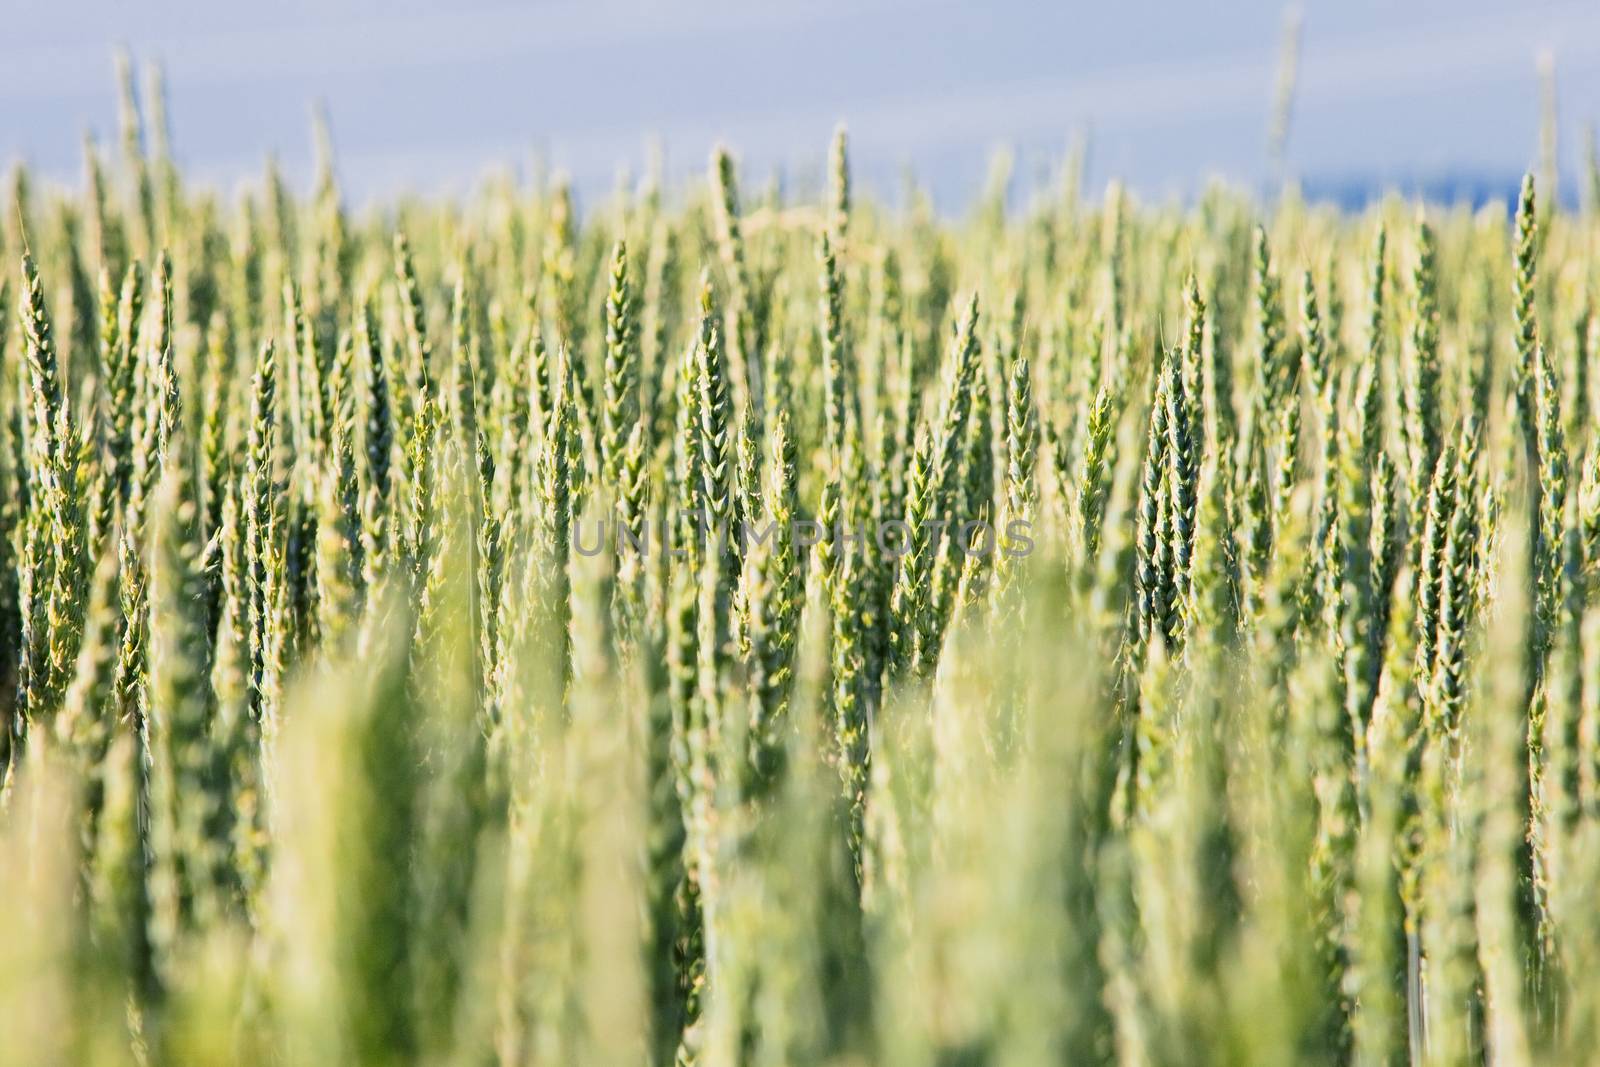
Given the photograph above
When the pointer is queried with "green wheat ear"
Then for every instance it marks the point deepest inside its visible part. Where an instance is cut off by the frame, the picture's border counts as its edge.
(1524, 315)
(621, 408)
(839, 183)
(1423, 429)
(1021, 450)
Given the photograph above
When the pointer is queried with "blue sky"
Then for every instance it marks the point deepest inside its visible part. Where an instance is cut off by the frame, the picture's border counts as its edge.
(426, 96)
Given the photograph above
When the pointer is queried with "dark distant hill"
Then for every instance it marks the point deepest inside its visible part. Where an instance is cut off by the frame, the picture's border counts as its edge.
(1475, 189)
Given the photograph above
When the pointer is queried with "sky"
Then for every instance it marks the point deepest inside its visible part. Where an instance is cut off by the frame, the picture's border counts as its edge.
(429, 96)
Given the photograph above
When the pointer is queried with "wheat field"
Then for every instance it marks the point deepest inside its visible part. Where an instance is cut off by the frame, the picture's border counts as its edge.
(724, 627)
